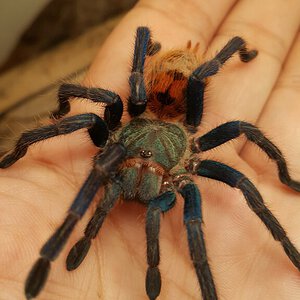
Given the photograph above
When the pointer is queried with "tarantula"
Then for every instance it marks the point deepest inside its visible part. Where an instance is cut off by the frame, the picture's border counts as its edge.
(153, 156)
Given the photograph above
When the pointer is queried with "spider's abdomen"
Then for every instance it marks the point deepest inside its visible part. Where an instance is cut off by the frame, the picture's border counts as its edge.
(153, 149)
(166, 77)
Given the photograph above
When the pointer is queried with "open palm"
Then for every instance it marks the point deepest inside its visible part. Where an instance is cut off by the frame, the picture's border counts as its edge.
(246, 262)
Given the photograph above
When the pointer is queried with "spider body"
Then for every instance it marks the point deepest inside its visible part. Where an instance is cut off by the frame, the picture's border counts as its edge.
(166, 78)
(154, 156)
(153, 149)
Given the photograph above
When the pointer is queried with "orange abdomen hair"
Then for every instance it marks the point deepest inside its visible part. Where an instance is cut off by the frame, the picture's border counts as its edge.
(166, 76)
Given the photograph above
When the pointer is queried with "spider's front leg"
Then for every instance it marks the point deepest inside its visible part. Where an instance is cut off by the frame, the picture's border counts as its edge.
(97, 129)
(193, 221)
(105, 166)
(196, 82)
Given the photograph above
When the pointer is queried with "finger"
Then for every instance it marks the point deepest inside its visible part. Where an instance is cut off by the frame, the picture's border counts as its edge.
(172, 25)
(280, 121)
(280, 117)
(241, 90)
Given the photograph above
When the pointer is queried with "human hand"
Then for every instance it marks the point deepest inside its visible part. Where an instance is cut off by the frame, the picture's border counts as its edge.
(246, 262)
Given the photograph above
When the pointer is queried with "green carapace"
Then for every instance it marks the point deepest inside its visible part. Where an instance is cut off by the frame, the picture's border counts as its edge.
(153, 149)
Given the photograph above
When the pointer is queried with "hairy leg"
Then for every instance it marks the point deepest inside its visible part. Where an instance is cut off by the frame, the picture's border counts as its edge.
(234, 129)
(196, 82)
(114, 106)
(104, 167)
(193, 221)
(97, 129)
(156, 207)
(232, 177)
(81, 248)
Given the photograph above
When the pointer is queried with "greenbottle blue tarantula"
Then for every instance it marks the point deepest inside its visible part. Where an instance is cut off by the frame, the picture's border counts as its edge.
(153, 156)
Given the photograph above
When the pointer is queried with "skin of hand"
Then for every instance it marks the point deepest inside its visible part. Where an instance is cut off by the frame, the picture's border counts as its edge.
(246, 262)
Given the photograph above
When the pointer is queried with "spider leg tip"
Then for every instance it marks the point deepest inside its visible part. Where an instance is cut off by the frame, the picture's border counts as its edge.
(249, 56)
(295, 185)
(37, 277)
(153, 283)
(78, 253)
(28, 296)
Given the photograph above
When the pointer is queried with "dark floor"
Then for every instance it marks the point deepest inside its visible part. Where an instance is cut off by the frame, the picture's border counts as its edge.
(62, 20)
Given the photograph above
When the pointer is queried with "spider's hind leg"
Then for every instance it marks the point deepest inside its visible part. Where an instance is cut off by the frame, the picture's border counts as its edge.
(97, 129)
(143, 46)
(153, 47)
(81, 248)
(196, 82)
(236, 44)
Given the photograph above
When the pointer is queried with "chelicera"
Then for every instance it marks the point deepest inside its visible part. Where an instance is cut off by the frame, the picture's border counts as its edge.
(154, 156)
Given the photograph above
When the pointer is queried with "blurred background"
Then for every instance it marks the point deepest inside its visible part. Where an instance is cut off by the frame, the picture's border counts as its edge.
(44, 43)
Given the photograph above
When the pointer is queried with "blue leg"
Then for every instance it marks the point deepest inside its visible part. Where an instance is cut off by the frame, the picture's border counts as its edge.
(234, 129)
(193, 221)
(114, 106)
(158, 205)
(196, 82)
(105, 166)
(138, 98)
(234, 178)
(81, 248)
(97, 129)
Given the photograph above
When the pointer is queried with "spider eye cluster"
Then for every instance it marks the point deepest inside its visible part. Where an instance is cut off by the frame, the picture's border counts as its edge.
(145, 153)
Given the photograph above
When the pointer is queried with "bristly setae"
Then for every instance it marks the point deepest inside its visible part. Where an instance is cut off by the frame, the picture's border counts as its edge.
(153, 156)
